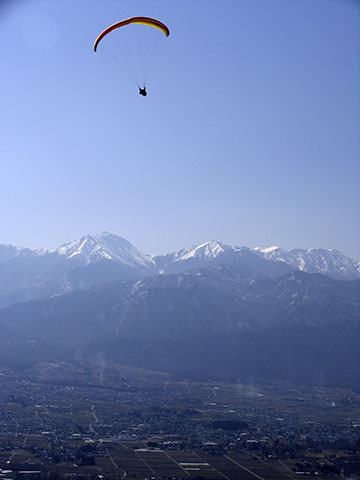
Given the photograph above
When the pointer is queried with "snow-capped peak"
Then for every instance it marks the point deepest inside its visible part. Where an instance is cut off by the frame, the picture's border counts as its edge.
(267, 250)
(7, 251)
(313, 260)
(92, 248)
(207, 250)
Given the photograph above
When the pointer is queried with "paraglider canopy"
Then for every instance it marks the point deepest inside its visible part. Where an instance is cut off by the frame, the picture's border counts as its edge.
(140, 20)
(134, 48)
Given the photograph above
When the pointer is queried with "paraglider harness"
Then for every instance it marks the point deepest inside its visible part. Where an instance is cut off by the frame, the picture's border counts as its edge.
(142, 91)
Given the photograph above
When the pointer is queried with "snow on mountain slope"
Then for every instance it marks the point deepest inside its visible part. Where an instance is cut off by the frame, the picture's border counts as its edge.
(91, 249)
(204, 251)
(7, 252)
(192, 256)
(314, 260)
(215, 253)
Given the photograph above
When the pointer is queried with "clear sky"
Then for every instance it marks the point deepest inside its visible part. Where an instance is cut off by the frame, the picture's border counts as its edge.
(249, 134)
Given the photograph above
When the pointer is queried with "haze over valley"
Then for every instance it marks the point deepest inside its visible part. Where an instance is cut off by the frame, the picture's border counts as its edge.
(210, 311)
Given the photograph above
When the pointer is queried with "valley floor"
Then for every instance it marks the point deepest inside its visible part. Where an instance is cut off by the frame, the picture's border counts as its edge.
(107, 421)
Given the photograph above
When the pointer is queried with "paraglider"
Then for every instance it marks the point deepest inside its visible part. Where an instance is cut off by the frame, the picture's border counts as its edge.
(135, 68)
(142, 91)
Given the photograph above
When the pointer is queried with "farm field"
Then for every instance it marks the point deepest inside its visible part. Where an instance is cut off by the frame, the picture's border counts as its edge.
(130, 423)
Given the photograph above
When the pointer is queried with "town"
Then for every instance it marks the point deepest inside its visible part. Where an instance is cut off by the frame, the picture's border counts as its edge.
(108, 421)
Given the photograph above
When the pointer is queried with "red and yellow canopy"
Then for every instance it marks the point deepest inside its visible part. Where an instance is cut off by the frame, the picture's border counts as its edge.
(142, 20)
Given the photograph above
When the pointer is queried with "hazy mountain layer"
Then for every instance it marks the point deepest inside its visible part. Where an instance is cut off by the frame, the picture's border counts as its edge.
(212, 323)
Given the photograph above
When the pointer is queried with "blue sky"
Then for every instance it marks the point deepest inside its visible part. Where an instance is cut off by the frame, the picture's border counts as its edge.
(249, 134)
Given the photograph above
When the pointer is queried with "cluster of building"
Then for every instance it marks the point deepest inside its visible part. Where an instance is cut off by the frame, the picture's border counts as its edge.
(59, 422)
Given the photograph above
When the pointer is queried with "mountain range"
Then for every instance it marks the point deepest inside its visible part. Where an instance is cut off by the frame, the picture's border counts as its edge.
(207, 311)
(27, 274)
